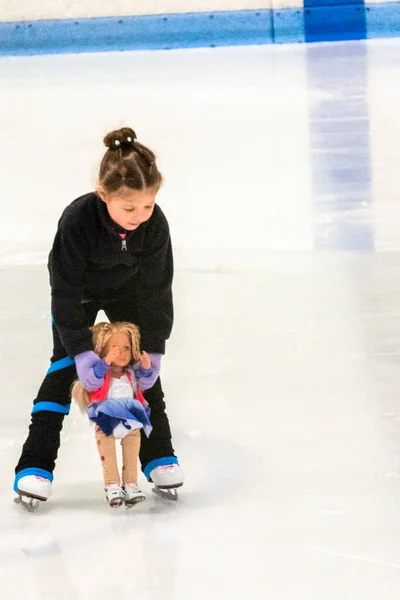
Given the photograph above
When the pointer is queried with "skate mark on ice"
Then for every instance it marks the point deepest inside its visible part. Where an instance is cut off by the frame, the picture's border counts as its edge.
(372, 561)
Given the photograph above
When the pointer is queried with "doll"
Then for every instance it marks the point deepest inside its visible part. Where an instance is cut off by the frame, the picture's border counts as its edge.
(113, 401)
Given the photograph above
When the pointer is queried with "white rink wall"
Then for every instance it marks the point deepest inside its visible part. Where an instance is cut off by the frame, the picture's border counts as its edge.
(25, 10)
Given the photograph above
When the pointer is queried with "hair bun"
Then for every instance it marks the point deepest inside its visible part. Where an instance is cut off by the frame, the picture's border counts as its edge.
(118, 138)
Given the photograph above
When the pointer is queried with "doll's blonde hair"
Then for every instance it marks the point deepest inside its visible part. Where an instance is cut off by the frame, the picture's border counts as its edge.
(102, 332)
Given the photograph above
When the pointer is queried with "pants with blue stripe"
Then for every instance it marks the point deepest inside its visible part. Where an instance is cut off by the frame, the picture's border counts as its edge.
(39, 453)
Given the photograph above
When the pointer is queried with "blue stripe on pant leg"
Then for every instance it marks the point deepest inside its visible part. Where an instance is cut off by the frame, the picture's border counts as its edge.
(159, 462)
(32, 471)
(63, 363)
(52, 407)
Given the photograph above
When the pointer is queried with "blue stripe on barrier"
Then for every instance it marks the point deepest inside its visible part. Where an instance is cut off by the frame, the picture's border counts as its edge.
(383, 20)
(288, 26)
(331, 3)
(61, 364)
(150, 32)
(320, 20)
(52, 407)
(328, 24)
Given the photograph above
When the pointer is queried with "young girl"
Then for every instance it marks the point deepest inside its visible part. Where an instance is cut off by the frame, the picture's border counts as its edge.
(117, 406)
(112, 251)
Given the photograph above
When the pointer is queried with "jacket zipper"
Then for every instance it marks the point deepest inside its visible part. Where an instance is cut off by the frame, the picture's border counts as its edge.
(123, 245)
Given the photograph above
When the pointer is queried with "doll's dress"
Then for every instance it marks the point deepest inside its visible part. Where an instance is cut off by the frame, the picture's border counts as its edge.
(123, 409)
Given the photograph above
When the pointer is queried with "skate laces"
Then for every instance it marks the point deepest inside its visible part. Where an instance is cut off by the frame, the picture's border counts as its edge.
(131, 488)
(114, 490)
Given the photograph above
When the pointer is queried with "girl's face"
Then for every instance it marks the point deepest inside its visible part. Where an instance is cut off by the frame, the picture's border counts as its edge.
(129, 208)
(121, 342)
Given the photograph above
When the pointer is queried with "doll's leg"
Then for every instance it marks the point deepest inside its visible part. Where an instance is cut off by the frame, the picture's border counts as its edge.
(130, 455)
(108, 456)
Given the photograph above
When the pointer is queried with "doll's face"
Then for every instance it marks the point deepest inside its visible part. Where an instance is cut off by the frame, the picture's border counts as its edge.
(122, 344)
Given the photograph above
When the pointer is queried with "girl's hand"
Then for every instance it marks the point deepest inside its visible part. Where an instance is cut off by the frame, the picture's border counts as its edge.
(145, 360)
(111, 355)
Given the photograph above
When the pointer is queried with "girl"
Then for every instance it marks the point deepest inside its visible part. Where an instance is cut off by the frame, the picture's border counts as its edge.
(117, 406)
(112, 251)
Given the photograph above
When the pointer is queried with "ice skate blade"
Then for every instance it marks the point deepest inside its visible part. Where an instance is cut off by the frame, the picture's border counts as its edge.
(116, 503)
(28, 503)
(166, 493)
(24, 494)
(169, 487)
(138, 500)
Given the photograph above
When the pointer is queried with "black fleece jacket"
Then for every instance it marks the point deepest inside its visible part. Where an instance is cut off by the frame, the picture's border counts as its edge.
(90, 262)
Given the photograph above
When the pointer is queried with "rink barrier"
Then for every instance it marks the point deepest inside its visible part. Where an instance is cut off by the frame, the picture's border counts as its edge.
(318, 20)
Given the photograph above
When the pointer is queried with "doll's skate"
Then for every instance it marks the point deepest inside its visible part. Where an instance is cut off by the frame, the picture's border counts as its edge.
(32, 490)
(115, 495)
(133, 495)
(167, 479)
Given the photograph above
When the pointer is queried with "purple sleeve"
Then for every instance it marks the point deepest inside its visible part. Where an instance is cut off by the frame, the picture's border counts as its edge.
(145, 380)
(85, 367)
(142, 372)
(101, 368)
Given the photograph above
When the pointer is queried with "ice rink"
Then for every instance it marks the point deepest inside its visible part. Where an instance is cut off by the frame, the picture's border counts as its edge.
(281, 168)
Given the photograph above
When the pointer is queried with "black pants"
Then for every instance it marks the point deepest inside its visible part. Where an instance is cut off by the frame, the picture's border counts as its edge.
(41, 447)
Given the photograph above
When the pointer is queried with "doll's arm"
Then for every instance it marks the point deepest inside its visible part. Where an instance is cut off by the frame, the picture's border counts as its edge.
(147, 377)
(91, 370)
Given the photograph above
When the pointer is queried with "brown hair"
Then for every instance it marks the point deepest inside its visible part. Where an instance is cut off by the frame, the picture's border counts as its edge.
(101, 334)
(127, 163)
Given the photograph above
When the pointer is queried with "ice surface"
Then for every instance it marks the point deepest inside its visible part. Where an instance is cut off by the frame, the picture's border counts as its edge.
(281, 187)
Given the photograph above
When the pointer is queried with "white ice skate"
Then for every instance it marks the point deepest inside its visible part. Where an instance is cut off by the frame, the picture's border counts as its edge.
(32, 490)
(115, 495)
(133, 495)
(166, 479)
